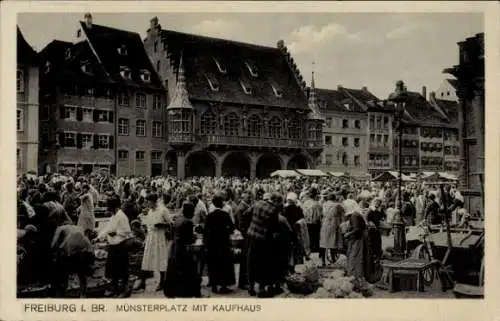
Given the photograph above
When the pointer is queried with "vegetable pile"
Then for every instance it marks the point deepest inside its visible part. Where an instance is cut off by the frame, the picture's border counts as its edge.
(337, 285)
(305, 280)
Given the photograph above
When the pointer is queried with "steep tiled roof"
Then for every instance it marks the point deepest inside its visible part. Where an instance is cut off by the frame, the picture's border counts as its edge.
(25, 53)
(422, 112)
(450, 108)
(269, 66)
(348, 100)
(106, 41)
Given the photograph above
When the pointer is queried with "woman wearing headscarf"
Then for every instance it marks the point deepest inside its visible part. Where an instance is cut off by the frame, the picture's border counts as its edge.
(218, 229)
(357, 249)
(86, 219)
(182, 279)
(330, 236)
(293, 214)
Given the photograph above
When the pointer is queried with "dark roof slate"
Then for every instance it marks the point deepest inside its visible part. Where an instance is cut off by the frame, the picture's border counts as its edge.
(106, 41)
(337, 100)
(198, 58)
(422, 112)
(25, 53)
(450, 108)
(453, 83)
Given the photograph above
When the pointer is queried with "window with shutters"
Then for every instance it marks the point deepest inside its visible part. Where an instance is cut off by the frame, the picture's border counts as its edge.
(20, 80)
(87, 115)
(386, 123)
(356, 142)
(122, 155)
(70, 113)
(231, 125)
(87, 141)
(140, 100)
(208, 123)
(372, 122)
(254, 126)
(275, 127)
(123, 99)
(69, 139)
(328, 159)
(123, 126)
(345, 160)
(103, 142)
(19, 120)
(156, 129)
(140, 155)
(386, 140)
(140, 128)
(294, 129)
(345, 123)
(103, 116)
(328, 140)
(156, 102)
(357, 124)
(156, 155)
(345, 141)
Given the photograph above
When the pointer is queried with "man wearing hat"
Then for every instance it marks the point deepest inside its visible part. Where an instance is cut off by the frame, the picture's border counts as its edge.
(313, 213)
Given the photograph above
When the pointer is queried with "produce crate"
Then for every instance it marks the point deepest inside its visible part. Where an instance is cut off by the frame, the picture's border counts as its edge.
(406, 281)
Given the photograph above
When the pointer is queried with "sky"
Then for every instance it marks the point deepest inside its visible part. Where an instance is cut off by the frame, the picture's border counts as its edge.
(349, 49)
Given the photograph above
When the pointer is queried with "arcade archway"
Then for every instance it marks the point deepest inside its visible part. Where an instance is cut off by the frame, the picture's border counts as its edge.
(236, 165)
(200, 164)
(171, 163)
(267, 164)
(298, 162)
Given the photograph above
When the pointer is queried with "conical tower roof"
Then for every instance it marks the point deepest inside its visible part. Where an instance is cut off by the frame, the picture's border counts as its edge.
(181, 97)
(313, 105)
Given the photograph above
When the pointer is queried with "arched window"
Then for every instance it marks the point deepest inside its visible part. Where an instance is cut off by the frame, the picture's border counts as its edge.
(254, 126)
(208, 123)
(231, 125)
(275, 127)
(294, 129)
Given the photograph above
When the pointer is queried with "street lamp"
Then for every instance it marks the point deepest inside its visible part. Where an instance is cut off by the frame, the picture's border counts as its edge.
(399, 97)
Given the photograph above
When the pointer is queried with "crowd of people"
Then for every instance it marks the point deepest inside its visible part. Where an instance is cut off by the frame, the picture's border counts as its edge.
(185, 229)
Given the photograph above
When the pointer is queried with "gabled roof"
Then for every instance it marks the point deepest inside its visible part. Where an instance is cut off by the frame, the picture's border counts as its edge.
(105, 42)
(200, 53)
(422, 112)
(450, 108)
(348, 100)
(26, 55)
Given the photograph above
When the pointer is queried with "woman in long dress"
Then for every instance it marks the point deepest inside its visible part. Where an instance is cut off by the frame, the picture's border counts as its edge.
(86, 218)
(218, 229)
(156, 246)
(182, 279)
(330, 236)
(357, 247)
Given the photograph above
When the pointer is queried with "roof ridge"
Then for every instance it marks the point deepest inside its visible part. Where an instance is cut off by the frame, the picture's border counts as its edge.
(257, 46)
(363, 106)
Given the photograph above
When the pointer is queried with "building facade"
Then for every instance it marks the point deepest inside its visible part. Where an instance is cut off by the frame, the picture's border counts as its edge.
(345, 137)
(380, 136)
(429, 136)
(234, 109)
(101, 101)
(27, 106)
(470, 91)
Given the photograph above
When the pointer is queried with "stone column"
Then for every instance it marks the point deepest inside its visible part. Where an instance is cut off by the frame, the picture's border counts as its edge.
(462, 171)
(181, 164)
(253, 168)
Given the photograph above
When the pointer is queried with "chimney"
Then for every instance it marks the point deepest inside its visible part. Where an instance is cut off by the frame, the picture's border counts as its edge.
(339, 87)
(432, 95)
(424, 92)
(88, 20)
(364, 88)
(281, 44)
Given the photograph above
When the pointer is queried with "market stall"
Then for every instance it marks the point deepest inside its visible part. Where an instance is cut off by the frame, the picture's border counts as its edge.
(285, 173)
(311, 172)
(391, 176)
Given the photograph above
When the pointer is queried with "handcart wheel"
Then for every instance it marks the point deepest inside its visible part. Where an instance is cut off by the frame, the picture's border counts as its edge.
(422, 252)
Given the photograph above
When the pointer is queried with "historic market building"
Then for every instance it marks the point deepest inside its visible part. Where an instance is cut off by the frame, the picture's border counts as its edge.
(234, 109)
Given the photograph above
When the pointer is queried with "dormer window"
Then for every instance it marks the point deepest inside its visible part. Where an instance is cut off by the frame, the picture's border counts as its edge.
(68, 53)
(86, 67)
(212, 82)
(145, 75)
(125, 72)
(122, 50)
(252, 69)
(220, 66)
(277, 92)
(246, 87)
(347, 106)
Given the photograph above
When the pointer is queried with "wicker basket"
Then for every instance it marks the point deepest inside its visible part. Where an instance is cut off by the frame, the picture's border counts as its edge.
(300, 285)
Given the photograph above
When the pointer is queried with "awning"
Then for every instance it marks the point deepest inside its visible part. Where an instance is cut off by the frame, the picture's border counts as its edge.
(338, 174)
(392, 176)
(441, 176)
(311, 172)
(285, 173)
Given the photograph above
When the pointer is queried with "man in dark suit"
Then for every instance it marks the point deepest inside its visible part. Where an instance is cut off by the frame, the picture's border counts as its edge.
(243, 217)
